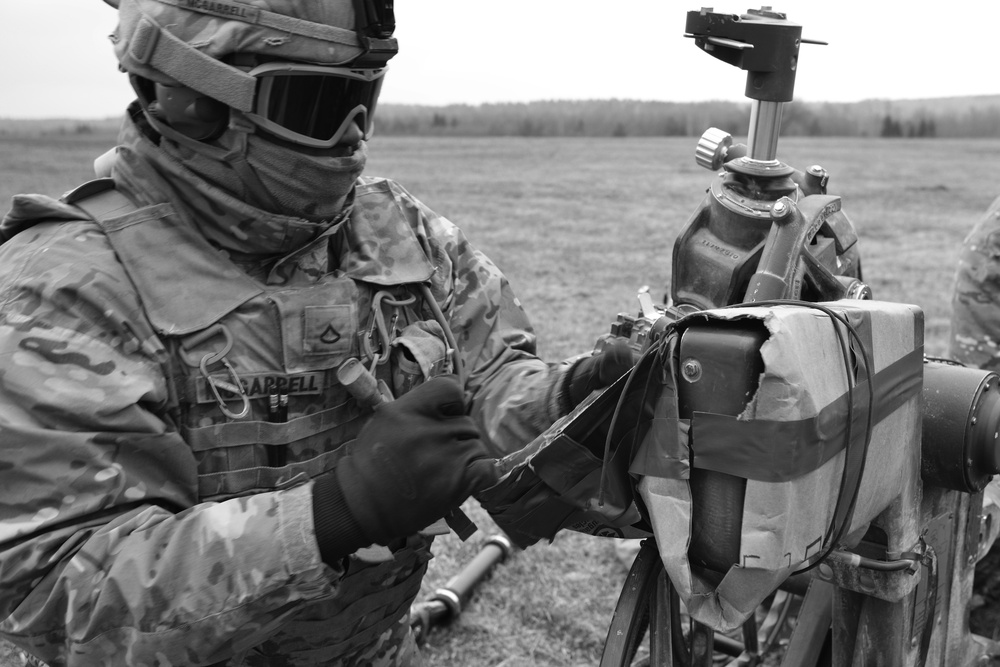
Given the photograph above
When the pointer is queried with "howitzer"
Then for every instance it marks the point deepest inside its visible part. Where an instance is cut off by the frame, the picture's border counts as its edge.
(808, 460)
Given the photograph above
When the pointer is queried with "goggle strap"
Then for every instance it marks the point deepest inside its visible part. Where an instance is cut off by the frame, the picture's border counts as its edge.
(166, 53)
(275, 21)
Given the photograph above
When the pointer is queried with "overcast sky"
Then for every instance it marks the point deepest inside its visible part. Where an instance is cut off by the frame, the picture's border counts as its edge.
(58, 61)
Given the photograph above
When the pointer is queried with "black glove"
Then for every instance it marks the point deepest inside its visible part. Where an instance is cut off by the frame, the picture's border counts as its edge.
(598, 371)
(417, 459)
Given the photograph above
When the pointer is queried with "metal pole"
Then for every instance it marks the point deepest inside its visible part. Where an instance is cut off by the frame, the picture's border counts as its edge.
(765, 123)
(446, 603)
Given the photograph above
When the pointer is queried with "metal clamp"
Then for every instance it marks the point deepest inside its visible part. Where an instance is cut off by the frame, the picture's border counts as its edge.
(379, 326)
(233, 387)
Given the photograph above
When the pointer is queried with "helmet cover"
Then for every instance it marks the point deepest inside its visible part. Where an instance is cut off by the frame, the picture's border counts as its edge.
(186, 41)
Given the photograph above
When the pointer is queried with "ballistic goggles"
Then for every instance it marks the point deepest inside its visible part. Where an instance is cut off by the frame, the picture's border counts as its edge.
(313, 105)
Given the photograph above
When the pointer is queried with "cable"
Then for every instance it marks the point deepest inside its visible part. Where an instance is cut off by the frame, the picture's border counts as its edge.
(448, 334)
(614, 422)
(658, 349)
(855, 560)
(836, 530)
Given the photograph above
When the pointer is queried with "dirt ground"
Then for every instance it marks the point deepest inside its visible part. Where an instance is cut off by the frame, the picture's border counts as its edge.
(984, 616)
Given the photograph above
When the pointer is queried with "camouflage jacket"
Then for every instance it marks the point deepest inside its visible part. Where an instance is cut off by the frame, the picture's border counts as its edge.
(145, 518)
(975, 320)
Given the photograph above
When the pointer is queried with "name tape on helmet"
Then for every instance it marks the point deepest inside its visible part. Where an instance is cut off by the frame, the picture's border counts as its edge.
(256, 15)
(223, 8)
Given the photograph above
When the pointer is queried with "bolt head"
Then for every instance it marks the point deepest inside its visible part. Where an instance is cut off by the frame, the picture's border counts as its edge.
(780, 209)
(691, 370)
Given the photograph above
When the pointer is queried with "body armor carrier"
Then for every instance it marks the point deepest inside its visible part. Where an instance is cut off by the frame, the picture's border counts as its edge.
(255, 391)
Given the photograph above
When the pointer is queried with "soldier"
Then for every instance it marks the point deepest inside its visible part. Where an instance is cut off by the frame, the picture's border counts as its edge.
(196, 467)
(975, 321)
(975, 341)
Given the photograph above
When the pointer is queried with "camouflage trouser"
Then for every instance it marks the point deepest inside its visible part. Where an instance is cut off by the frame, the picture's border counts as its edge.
(394, 648)
(22, 659)
(975, 321)
(366, 625)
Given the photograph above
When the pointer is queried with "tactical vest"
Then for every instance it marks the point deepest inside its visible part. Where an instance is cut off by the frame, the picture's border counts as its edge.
(254, 373)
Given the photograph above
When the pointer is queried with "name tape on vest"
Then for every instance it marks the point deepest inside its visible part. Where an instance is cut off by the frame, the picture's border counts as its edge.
(261, 386)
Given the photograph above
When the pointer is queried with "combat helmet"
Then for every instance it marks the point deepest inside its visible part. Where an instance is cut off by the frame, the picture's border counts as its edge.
(300, 70)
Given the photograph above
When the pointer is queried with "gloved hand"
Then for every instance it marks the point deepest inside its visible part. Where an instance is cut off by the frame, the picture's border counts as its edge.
(418, 458)
(598, 370)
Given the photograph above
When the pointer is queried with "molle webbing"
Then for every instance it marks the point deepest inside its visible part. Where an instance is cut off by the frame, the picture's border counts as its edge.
(239, 433)
(229, 483)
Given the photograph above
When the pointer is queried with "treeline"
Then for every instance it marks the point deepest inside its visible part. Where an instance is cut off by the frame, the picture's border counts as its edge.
(957, 117)
(978, 117)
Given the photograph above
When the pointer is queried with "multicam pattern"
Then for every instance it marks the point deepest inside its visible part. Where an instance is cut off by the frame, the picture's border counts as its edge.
(975, 323)
(395, 646)
(130, 529)
(159, 39)
(320, 635)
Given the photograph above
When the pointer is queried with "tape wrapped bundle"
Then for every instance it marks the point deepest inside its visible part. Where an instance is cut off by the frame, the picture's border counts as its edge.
(623, 463)
(814, 408)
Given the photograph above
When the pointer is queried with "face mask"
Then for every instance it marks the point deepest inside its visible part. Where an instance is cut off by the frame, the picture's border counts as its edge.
(270, 176)
(309, 186)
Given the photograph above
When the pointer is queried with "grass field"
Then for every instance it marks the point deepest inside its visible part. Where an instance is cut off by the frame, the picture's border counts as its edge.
(578, 225)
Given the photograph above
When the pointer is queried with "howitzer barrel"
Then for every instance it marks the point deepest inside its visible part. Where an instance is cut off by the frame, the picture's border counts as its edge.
(960, 448)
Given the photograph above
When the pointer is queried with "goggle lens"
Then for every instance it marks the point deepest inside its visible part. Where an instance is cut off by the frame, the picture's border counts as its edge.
(313, 105)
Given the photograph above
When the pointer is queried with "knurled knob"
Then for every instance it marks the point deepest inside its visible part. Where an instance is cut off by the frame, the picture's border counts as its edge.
(712, 148)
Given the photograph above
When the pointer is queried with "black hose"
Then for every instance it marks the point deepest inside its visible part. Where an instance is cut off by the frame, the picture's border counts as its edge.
(873, 564)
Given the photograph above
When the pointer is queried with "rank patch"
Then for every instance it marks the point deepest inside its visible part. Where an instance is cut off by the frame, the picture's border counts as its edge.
(327, 329)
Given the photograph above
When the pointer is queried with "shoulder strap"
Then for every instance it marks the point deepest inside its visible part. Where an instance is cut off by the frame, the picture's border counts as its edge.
(100, 200)
(97, 200)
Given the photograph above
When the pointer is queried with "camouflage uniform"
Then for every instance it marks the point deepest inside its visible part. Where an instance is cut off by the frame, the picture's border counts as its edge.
(975, 323)
(144, 520)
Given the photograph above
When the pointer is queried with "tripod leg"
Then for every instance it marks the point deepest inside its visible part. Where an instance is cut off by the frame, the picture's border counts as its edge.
(814, 621)
(632, 614)
(648, 601)
(662, 608)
